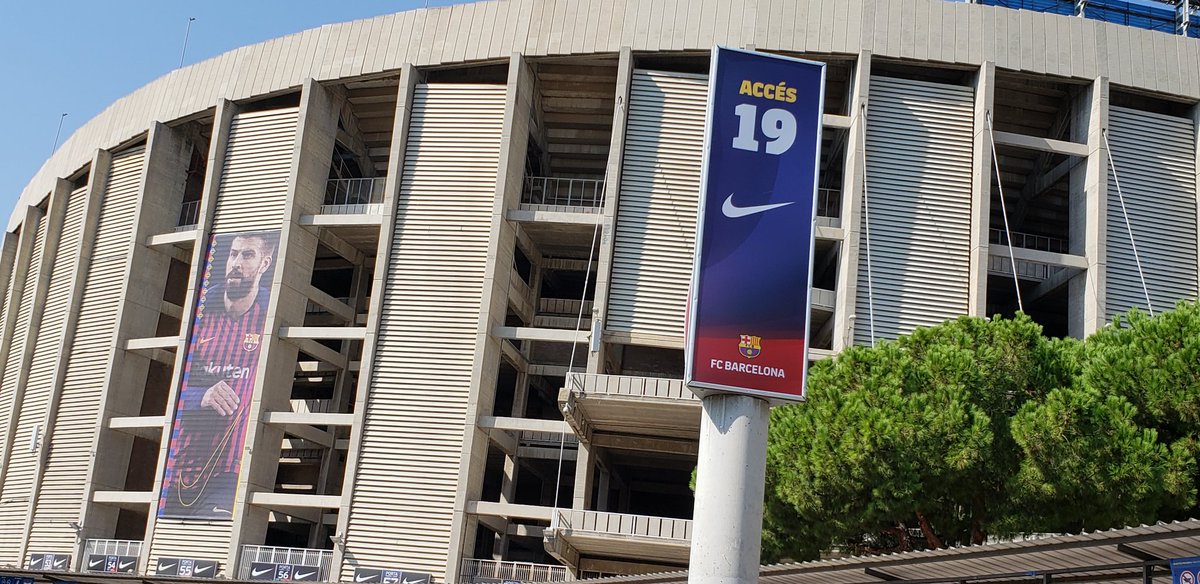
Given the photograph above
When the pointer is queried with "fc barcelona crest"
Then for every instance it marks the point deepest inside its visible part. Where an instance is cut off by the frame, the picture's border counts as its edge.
(251, 341)
(750, 346)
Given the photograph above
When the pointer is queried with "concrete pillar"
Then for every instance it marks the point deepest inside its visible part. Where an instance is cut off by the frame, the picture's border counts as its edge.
(1088, 206)
(585, 473)
(493, 308)
(853, 180)
(727, 522)
(981, 189)
(315, 137)
(612, 190)
(408, 82)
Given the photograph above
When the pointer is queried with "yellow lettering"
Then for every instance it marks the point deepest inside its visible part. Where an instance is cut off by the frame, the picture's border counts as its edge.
(758, 89)
(781, 91)
(745, 90)
(769, 91)
(791, 95)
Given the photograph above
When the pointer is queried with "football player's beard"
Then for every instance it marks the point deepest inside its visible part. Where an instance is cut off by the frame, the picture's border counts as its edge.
(237, 286)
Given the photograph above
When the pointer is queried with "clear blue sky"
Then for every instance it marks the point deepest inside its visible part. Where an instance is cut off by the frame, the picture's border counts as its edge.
(78, 56)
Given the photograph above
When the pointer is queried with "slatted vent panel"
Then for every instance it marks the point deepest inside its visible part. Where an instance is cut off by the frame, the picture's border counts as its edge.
(174, 538)
(14, 486)
(258, 162)
(11, 288)
(1155, 161)
(412, 440)
(919, 187)
(656, 217)
(70, 443)
(20, 474)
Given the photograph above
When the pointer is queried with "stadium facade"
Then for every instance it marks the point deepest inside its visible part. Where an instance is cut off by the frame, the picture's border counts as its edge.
(406, 295)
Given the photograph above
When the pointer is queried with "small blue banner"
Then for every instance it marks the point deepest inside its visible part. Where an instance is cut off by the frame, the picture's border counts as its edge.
(1185, 570)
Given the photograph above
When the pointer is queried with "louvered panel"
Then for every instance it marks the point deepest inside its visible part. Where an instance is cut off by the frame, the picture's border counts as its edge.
(174, 538)
(15, 482)
(10, 304)
(70, 440)
(409, 459)
(254, 179)
(1155, 161)
(656, 216)
(918, 209)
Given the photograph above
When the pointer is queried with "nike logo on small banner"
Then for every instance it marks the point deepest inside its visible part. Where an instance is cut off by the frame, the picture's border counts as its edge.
(303, 575)
(407, 581)
(366, 578)
(125, 565)
(92, 564)
(60, 563)
(202, 569)
(162, 567)
(256, 573)
(733, 211)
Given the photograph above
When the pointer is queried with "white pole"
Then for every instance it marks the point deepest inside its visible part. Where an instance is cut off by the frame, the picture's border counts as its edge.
(727, 525)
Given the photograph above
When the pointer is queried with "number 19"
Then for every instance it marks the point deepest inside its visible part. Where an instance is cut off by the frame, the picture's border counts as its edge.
(778, 125)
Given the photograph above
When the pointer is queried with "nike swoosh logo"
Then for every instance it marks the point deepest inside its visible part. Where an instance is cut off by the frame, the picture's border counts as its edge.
(204, 569)
(362, 579)
(260, 572)
(407, 581)
(93, 564)
(61, 562)
(303, 575)
(124, 565)
(202, 341)
(165, 567)
(733, 211)
(218, 509)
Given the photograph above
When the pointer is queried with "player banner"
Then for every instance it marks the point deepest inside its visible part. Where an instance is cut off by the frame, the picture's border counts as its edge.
(749, 305)
(212, 414)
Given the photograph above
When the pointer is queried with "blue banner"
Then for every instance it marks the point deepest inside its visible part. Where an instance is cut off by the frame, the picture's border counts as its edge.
(749, 305)
(1185, 570)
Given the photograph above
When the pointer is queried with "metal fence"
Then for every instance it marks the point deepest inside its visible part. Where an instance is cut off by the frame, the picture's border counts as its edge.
(353, 196)
(189, 216)
(526, 572)
(1029, 241)
(321, 559)
(563, 192)
(112, 547)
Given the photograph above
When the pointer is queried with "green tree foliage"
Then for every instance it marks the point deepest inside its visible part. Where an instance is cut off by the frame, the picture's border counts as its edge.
(984, 427)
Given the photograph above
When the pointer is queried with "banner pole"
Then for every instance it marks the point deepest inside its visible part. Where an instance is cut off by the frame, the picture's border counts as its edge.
(730, 483)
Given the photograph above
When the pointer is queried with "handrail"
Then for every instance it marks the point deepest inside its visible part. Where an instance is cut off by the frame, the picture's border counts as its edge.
(321, 559)
(563, 192)
(1029, 241)
(189, 216)
(503, 570)
(353, 196)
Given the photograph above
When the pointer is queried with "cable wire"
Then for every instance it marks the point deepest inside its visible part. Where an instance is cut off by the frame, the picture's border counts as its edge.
(1004, 211)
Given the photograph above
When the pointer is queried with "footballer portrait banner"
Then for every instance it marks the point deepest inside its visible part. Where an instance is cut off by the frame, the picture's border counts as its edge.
(212, 414)
(749, 305)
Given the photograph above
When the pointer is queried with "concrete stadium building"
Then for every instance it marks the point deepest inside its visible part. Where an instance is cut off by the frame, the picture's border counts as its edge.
(469, 232)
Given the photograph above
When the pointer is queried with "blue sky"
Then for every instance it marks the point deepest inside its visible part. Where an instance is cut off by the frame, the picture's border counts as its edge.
(78, 56)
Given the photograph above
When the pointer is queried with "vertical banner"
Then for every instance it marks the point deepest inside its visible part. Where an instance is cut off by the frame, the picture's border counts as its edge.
(211, 417)
(749, 306)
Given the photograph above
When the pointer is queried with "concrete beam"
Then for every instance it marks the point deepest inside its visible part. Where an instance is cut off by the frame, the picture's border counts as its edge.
(510, 510)
(523, 215)
(307, 419)
(354, 333)
(180, 238)
(528, 424)
(541, 334)
(343, 220)
(1041, 144)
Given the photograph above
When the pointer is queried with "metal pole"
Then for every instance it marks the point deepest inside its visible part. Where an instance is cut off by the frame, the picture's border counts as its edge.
(58, 132)
(186, 34)
(727, 525)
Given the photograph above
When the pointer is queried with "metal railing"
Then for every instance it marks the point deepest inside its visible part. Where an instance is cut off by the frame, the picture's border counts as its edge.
(829, 203)
(563, 192)
(661, 528)
(321, 559)
(473, 569)
(1028, 270)
(1029, 241)
(548, 439)
(353, 196)
(596, 383)
(112, 547)
(189, 216)
(314, 308)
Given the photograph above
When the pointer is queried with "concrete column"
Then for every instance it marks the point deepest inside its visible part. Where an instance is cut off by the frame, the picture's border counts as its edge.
(727, 524)
(1196, 134)
(981, 189)
(1087, 211)
(612, 190)
(853, 179)
(493, 308)
(222, 121)
(585, 473)
(315, 137)
(343, 563)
